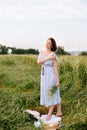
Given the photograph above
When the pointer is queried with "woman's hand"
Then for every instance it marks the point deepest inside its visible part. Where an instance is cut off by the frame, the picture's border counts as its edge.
(57, 84)
(51, 57)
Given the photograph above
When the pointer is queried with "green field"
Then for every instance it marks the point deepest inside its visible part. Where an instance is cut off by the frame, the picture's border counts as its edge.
(20, 90)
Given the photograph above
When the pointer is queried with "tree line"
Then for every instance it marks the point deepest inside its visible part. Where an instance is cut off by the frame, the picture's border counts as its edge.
(5, 50)
(60, 51)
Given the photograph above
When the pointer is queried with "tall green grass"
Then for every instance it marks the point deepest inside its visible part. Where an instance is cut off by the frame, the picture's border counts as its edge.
(20, 90)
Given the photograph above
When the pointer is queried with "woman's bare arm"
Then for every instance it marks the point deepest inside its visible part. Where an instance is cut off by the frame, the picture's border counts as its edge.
(56, 73)
(50, 57)
(41, 61)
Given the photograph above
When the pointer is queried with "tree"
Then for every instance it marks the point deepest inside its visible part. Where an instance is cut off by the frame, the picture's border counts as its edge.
(3, 49)
(84, 53)
(60, 51)
(24, 51)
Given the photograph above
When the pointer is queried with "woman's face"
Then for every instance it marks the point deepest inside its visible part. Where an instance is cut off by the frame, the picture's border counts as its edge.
(49, 44)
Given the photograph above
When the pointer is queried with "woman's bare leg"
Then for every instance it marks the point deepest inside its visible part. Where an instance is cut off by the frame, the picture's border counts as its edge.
(59, 112)
(51, 108)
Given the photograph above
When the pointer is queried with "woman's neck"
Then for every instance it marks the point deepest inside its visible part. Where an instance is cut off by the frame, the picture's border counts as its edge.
(48, 50)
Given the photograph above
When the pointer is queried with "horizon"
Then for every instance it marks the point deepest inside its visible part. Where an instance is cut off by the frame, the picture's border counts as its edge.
(44, 48)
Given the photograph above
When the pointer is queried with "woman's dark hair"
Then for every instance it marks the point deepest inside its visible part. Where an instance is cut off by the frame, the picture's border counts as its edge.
(54, 46)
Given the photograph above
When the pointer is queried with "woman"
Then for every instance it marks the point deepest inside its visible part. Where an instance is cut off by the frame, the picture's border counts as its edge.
(49, 78)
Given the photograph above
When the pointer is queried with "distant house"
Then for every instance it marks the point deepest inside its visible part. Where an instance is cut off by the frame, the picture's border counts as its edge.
(9, 51)
(76, 53)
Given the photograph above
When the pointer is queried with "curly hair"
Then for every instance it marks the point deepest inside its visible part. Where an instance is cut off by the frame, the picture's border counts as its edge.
(54, 46)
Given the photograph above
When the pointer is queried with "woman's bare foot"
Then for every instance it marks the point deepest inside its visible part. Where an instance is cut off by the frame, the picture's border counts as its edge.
(48, 117)
(59, 114)
(51, 108)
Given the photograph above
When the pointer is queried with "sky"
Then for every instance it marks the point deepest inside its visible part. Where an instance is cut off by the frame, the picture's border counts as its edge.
(29, 23)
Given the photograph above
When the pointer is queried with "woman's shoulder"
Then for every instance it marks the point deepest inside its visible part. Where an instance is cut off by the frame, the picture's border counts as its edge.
(53, 53)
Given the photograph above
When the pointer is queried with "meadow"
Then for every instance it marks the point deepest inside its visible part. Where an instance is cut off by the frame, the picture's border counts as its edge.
(20, 90)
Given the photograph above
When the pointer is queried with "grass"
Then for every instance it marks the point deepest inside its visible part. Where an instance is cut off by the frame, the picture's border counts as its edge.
(20, 90)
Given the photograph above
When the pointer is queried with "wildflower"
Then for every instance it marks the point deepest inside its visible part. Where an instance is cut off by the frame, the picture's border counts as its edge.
(52, 91)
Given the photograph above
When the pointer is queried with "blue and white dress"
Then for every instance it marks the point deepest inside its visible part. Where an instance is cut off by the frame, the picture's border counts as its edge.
(47, 82)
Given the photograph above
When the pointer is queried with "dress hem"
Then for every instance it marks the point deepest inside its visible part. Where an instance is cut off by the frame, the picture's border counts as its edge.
(50, 104)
